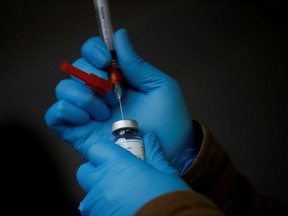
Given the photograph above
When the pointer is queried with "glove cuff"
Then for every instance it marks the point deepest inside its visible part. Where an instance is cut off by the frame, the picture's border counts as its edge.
(198, 138)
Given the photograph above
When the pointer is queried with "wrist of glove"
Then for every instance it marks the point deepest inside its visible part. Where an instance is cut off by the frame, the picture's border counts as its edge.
(194, 146)
(118, 183)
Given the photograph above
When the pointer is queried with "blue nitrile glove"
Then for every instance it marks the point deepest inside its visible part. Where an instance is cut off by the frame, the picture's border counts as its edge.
(154, 99)
(118, 183)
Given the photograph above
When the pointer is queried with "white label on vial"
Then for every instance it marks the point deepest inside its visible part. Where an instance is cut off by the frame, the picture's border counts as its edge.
(133, 145)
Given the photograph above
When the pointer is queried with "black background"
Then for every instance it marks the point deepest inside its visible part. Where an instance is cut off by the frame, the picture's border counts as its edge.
(228, 56)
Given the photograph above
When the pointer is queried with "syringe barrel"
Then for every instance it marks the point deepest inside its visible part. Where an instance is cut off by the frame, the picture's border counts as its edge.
(104, 22)
(106, 31)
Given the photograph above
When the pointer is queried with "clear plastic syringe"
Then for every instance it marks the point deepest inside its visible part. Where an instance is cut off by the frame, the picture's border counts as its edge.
(106, 31)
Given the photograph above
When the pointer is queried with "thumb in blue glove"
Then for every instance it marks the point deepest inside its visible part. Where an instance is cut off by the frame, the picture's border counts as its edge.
(118, 183)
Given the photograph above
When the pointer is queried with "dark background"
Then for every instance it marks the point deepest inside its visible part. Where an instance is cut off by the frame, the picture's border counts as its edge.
(228, 56)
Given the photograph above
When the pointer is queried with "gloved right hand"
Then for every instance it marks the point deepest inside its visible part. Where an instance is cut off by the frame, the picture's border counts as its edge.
(118, 183)
(154, 99)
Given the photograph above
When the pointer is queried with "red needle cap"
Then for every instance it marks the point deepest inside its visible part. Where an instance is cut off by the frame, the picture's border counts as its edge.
(97, 83)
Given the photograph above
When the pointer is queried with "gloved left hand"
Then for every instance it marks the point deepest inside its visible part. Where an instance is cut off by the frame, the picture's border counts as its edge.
(118, 183)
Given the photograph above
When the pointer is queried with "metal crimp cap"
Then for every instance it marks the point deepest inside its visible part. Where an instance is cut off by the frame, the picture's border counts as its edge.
(122, 124)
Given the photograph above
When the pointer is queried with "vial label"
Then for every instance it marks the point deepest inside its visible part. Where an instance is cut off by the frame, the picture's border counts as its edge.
(135, 146)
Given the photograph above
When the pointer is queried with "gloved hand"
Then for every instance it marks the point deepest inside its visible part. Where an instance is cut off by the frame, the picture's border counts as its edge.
(154, 99)
(118, 183)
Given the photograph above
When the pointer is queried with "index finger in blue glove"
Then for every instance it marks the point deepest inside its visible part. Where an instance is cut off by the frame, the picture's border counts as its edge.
(106, 151)
(96, 53)
(87, 174)
(103, 155)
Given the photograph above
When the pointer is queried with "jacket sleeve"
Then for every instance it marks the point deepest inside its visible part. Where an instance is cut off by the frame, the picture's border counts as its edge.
(218, 188)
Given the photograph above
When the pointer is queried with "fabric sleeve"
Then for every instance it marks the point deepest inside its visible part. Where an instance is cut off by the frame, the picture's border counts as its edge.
(213, 175)
(180, 203)
(218, 188)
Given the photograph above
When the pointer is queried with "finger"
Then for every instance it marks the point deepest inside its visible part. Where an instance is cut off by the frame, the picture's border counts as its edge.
(154, 155)
(106, 151)
(63, 112)
(96, 53)
(87, 175)
(136, 71)
(84, 98)
(86, 66)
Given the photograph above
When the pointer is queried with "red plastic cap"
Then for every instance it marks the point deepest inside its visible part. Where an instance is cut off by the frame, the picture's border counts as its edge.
(97, 83)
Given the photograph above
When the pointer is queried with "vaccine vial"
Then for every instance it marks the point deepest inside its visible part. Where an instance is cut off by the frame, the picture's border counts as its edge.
(126, 136)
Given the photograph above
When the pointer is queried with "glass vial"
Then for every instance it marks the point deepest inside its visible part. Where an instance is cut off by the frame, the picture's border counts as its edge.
(126, 136)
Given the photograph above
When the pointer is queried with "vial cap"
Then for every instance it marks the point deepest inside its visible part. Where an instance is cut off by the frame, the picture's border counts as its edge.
(127, 123)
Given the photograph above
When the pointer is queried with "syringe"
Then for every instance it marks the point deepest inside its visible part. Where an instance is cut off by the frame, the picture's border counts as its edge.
(106, 31)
